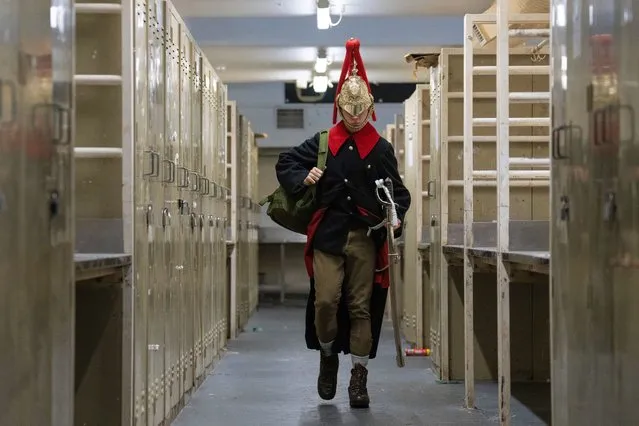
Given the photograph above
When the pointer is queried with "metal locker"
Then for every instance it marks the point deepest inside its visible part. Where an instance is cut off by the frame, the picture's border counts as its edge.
(222, 289)
(412, 221)
(207, 210)
(594, 238)
(146, 166)
(173, 209)
(187, 221)
(626, 203)
(195, 72)
(158, 284)
(216, 216)
(36, 211)
(434, 188)
(219, 271)
(61, 209)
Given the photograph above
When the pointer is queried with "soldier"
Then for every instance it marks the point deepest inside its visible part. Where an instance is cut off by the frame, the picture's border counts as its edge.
(346, 251)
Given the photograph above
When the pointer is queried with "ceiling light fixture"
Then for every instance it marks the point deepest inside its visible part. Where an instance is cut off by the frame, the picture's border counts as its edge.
(321, 63)
(320, 83)
(324, 15)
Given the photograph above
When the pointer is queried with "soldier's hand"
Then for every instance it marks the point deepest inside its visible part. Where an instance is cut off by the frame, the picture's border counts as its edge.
(313, 176)
(399, 225)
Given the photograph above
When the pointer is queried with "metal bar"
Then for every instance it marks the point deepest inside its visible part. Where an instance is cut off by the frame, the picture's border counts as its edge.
(90, 152)
(444, 358)
(468, 153)
(515, 97)
(97, 79)
(531, 97)
(514, 70)
(515, 18)
(503, 207)
(513, 183)
(493, 139)
(529, 32)
(532, 162)
(526, 174)
(512, 121)
(98, 8)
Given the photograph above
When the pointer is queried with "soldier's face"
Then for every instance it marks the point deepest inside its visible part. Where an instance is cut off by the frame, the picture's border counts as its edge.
(355, 122)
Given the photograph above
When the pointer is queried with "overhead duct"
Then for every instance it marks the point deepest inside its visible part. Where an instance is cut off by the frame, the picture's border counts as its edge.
(485, 33)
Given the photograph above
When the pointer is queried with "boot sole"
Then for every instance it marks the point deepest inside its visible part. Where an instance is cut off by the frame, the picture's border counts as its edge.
(330, 395)
(362, 404)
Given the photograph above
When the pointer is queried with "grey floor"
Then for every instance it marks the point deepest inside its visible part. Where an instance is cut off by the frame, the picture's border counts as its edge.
(268, 378)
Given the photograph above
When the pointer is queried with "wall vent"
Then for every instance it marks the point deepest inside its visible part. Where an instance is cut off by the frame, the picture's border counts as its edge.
(290, 118)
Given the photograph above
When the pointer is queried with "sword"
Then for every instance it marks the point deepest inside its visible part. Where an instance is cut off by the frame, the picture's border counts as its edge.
(386, 187)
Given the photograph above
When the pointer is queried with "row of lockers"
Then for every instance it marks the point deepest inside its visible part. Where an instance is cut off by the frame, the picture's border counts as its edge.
(117, 137)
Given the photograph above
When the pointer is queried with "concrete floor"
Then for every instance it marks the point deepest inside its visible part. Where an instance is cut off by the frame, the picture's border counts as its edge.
(268, 378)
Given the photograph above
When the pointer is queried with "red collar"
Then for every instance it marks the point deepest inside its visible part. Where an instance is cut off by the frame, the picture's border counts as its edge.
(365, 139)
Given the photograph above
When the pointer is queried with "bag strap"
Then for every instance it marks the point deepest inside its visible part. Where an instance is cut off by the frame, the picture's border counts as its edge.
(323, 150)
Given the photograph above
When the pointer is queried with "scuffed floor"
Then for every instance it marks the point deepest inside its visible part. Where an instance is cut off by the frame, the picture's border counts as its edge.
(268, 378)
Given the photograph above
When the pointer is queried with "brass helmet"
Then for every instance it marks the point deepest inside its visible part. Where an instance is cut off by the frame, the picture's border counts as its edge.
(353, 94)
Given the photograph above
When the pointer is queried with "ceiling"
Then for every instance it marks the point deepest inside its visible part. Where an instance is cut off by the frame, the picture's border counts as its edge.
(277, 40)
(273, 8)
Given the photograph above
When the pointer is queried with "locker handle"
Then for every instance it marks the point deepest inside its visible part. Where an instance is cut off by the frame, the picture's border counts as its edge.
(631, 120)
(206, 187)
(211, 220)
(201, 218)
(601, 127)
(184, 178)
(570, 132)
(564, 212)
(171, 177)
(64, 124)
(192, 222)
(60, 120)
(155, 164)
(215, 190)
(610, 207)
(13, 100)
(430, 192)
(195, 181)
(166, 218)
(149, 217)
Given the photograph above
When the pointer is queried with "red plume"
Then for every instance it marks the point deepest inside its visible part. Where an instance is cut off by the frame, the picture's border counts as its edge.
(352, 55)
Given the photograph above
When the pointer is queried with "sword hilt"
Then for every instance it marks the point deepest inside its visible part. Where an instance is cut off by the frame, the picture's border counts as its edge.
(387, 186)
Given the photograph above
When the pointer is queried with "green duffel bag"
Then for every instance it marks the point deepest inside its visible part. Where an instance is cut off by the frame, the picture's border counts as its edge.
(289, 212)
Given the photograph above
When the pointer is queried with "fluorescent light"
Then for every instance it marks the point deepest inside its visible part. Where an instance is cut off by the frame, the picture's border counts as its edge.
(301, 83)
(323, 18)
(320, 83)
(321, 65)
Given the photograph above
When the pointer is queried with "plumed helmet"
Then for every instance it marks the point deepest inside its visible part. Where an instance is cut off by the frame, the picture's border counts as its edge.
(353, 93)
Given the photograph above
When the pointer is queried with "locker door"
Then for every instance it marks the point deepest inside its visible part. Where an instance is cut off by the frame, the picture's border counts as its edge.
(434, 189)
(172, 216)
(412, 220)
(143, 259)
(187, 217)
(36, 213)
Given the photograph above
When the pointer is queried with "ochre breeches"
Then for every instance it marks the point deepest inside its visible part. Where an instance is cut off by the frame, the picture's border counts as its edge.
(355, 271)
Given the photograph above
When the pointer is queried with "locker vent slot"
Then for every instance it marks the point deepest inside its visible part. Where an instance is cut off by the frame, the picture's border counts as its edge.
(289, 118)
